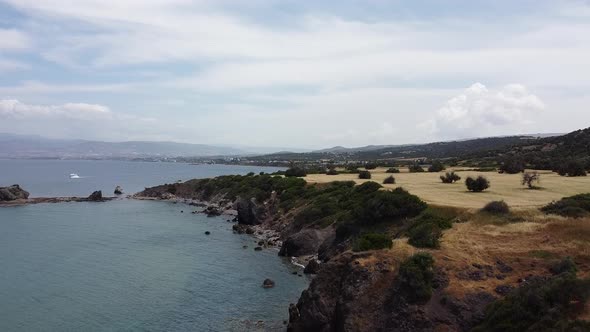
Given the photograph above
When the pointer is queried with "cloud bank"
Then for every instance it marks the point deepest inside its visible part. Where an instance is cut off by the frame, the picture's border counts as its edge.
(479, 111)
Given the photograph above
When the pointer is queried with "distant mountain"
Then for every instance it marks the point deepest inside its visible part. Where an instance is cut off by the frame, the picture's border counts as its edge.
(341, 149)
(24, 146)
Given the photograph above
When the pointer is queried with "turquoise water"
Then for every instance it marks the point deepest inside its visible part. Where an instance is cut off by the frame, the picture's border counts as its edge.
(131, 265)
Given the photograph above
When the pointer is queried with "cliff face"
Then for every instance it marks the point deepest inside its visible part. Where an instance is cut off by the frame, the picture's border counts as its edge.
(362, 292)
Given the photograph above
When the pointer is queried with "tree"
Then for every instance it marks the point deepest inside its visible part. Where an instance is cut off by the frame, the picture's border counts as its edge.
(436, 166)
(572, 168)
(477, 185)
(392, 170)
(450, 177)
(529, 178)
(370, 166)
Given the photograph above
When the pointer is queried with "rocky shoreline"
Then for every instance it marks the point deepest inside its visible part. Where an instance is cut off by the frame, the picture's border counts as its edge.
(15, 196)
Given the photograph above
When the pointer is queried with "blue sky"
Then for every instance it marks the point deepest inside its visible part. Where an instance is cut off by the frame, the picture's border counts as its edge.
(305, 74)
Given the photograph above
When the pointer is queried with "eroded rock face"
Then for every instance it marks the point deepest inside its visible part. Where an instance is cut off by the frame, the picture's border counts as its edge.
(312, 267)
(12, 193)
(248, 212)
(305, 242)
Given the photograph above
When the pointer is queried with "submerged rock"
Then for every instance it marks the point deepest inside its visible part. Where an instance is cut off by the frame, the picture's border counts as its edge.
(12, 193)
(118, 190)
(267, 283)
(207, 233)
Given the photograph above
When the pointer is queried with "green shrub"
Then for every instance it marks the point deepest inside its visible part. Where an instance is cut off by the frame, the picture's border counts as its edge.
(389, 180)
(436, 166)
(388, 206)
(392, 170)
(416, 168)
(415, 278)
(352, 168)
(496, 207)
(574, 206)
(295, 172)
(425, 235)
(477, 185)
(435, 217)
(450, 177)
(565, 265)
(372, 241)
(364, 175)
(540, 304)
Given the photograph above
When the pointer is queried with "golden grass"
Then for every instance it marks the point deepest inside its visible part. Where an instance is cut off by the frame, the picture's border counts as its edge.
(505, 187)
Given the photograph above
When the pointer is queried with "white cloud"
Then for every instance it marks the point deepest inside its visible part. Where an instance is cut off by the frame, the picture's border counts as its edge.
(479, 111)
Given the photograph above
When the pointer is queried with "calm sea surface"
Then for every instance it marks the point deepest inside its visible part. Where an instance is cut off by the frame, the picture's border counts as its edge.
(130, 265)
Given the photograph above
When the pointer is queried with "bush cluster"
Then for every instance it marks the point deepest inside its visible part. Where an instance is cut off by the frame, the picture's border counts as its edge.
(541, 304)
(450, 177)
(392, 170)
(496, 207)
(436, 166)
(389, 180)
(385, 205)
(364, 175)
(372, 241)
(425, 235)
(477, 185)
(574, 206)
(415, 277)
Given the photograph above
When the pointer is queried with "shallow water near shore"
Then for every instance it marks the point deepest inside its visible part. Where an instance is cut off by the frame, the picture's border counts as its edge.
(136, 265)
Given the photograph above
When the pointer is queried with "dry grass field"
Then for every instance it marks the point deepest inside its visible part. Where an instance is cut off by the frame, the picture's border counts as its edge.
(505, 187)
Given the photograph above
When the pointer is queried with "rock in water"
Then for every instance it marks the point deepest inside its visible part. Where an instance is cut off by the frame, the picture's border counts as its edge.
(95, 196)
(267, 283)
(118, 190)
(247, 212)
(13, 192)
(207, 233)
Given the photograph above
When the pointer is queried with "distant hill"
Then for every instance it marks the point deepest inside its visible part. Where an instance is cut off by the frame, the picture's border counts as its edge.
(24, 146)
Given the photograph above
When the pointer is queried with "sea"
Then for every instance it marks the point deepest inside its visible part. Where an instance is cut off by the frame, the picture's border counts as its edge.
(129, 265)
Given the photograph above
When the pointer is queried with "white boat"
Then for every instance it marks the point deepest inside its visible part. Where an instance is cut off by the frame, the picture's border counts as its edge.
(74, 176)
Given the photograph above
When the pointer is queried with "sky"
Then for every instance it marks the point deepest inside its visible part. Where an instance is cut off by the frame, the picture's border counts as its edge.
(293, 73)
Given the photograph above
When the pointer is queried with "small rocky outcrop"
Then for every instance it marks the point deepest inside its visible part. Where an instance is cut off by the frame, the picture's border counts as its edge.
(312, 267)
(12, 193)
(268, 283)
(96, 196)
(212, 211)
(118, 190)
(305, 242)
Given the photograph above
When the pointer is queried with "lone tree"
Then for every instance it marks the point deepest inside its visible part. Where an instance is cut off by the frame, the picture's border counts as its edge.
(392, 170)
(436, 166)
(477, 185)
(450, 177)
(364, 175)
(370, 166)
(530, 178)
